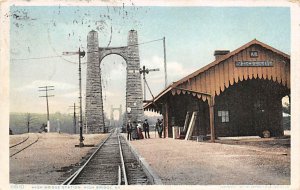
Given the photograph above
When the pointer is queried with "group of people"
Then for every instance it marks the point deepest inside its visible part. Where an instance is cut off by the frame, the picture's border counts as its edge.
(135, 130)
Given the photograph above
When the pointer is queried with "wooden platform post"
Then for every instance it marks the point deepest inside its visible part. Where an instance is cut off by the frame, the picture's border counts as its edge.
(166, 120)
(211, 103)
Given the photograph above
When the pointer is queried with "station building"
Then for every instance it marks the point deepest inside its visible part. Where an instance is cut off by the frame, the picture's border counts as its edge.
(238, 94)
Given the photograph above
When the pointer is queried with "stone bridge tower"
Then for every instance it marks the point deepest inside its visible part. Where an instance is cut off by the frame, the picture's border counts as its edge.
(112, 109)
(134, 97)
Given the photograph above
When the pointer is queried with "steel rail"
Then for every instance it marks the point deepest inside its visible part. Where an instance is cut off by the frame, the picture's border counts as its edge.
(25, 147)
(70, 180)
(19, 142)
(122, 161)
(119, 176)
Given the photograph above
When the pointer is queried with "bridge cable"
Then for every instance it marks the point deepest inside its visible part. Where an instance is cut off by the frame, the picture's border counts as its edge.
(59, 56)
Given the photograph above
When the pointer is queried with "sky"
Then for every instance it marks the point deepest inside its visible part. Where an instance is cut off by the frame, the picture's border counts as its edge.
(40, 34)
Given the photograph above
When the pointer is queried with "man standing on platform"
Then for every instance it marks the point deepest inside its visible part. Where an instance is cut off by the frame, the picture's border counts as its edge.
(129, 130)
(159, 126)
(146, 128)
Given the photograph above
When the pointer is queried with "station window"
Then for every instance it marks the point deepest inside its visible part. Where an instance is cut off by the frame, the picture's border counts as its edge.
(224, 116)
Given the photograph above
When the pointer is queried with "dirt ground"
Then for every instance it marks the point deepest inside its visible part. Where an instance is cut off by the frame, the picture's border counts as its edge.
(42, 162)
(177, 162)
(243, 162)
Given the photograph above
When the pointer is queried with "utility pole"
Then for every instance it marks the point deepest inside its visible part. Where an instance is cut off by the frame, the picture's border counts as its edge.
(29, 119)
(86, 126)
(165, 62)
(145, 71)
(46, 89)
(81, 54)
(74, 117)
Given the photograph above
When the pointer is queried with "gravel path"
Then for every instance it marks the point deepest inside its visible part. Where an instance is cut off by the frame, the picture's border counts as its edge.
(180, 162)
(42, 162)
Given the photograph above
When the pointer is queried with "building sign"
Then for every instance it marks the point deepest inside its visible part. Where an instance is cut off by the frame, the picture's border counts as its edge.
(253, 53)
(254, 64)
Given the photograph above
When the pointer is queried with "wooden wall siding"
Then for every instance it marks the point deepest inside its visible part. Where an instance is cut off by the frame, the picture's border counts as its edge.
(226, 75)
(231, 68)
(217, 81)
(219, 77)
(269, 69)
(222, 74)
(240, 69)
(277, 71)
(205, 83)
(250, 69)
(194, 83)
(283, 75)
(212, 80)
(264, 69)
(198, 87)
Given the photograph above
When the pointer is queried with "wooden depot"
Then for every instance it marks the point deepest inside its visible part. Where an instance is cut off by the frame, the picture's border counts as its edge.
(238, 94)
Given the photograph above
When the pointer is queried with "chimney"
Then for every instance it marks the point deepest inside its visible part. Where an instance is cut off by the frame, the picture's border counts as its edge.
(220, 53)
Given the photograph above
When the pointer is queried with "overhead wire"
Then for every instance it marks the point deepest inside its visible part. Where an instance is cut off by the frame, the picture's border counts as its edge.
(142, 43)
(48, 57)
(61, 56)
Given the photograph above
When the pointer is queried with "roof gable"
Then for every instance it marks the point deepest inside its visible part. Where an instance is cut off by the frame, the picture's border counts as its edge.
(203, 69)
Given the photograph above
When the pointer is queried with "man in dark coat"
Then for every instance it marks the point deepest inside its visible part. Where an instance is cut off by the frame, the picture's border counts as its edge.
(129, 130)
(159, 126)
(146, 128)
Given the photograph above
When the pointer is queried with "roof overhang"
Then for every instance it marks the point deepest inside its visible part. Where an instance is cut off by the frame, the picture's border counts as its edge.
(173, 90)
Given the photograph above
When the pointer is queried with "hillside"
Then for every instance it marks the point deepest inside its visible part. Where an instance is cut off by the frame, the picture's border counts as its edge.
(58, 122)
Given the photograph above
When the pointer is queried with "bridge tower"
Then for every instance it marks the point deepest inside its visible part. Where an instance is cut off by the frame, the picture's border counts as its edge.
(112, 110)
(134, 96)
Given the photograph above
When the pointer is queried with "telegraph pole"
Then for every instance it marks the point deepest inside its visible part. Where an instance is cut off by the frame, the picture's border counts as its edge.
(145, 71)
(46, 89)
(81, 54)
(165, 62)
(74, 117)
(29, 119)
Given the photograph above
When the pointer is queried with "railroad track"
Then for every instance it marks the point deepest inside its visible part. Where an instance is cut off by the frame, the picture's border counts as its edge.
(22, 141)
(112, 163)
(21, 146)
